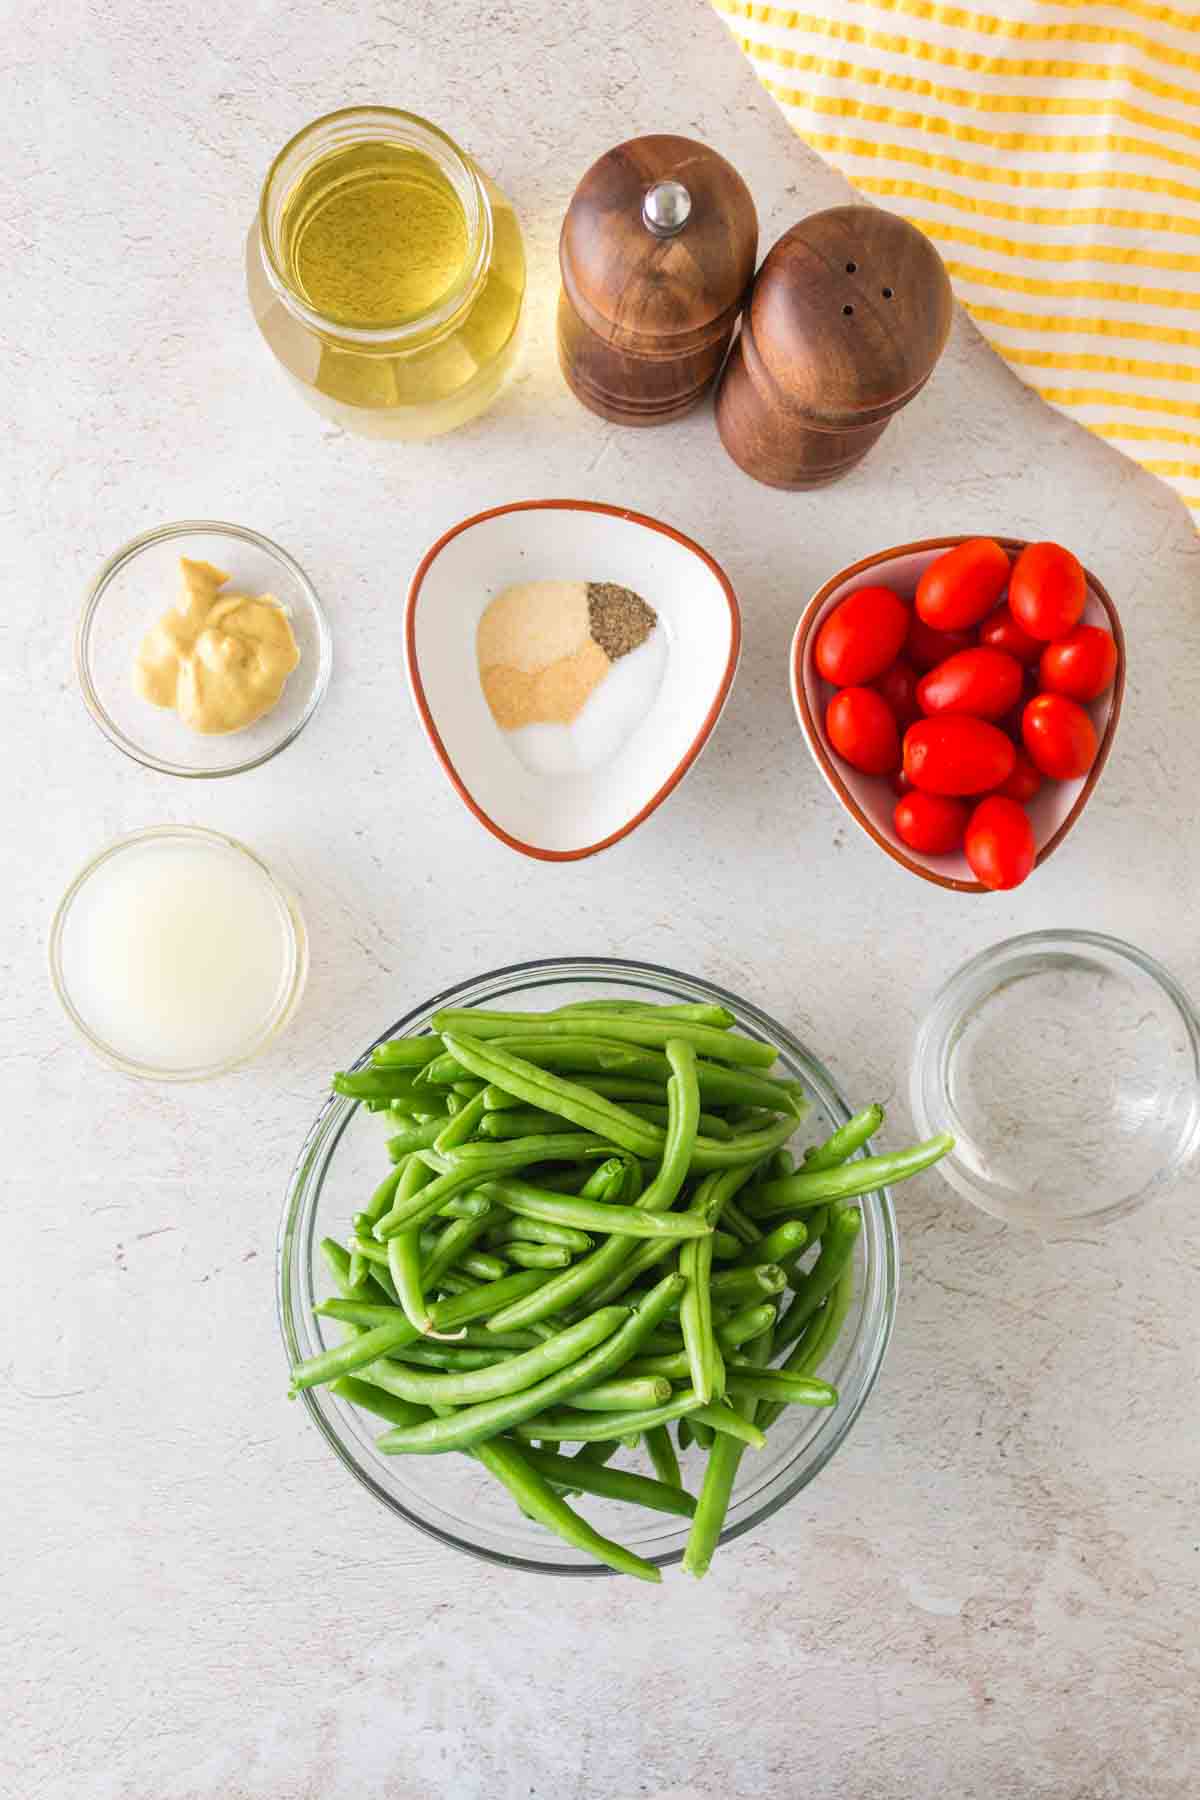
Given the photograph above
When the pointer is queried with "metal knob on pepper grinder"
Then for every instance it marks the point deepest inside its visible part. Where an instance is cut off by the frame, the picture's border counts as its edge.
(656, 253)
(845, 321)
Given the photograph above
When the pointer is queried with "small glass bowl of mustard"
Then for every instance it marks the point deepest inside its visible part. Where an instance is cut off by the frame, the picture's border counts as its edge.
(132, 592)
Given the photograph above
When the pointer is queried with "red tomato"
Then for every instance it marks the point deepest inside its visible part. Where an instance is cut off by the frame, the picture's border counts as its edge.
(1059, 736)
(860, 726)
(1000, 631)
(898, 685)
(1083, 665)
(932, 823)
(899, 783)
(1047, 593)
(962, 586)
(999, 844)
(861, 636)
(1024, 781)
(954, 754)
(984, 683)
(925, 647)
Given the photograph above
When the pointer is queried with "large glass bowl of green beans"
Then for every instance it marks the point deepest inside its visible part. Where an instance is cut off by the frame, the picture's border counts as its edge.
(370, 1172)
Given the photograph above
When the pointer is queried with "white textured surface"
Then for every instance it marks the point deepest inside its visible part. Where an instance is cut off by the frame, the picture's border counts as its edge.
(994, 1590)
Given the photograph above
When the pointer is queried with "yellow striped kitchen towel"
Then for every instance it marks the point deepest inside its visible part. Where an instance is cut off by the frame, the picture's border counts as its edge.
(1051, 150)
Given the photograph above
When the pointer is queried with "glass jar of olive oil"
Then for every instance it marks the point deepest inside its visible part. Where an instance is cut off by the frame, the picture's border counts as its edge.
(386, 272)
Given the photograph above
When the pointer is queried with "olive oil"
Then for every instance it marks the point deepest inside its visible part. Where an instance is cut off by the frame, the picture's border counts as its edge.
(374, 235)
(387, 274)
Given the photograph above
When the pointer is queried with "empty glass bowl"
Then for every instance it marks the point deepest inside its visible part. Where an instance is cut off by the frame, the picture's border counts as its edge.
(451, 1497)
(1067, 1065)
(140, 583)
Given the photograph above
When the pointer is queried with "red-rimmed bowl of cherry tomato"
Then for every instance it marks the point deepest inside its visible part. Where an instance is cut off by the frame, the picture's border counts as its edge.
(960, 696)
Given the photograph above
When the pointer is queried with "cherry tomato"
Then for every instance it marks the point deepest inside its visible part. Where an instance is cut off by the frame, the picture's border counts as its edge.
(1059, 736)
(925, 648)
(1083, 665)
(962, 586)
(861, 636)
(898, 685)
(1000, 631)
(954, 754)
(932, 823)
(899, 783)
(1024, 781)
(999, 844)
(984, 683)
(1047, 592)
(860, 726)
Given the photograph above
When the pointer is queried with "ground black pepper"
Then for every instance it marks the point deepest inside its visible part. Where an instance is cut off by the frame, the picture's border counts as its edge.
(618, 619)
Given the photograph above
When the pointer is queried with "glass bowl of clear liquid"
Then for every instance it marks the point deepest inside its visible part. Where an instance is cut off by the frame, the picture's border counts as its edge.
(1067, 1066)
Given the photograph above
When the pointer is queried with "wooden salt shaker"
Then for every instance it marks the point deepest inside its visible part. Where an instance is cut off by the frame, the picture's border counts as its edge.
(657, 252)
(846, 319)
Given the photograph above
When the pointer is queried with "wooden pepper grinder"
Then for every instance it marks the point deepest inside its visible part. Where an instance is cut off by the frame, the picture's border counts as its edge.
(656, 252)
(846, 319)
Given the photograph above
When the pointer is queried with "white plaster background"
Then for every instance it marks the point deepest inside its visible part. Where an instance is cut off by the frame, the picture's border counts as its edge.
(995, 1589)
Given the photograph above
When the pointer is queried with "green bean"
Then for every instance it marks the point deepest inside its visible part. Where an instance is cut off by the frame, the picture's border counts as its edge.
(683, 1431)
(469, 1172)
(452, 1245)
(534, 1495)
(837, 1247)
(593, 1215)
(373, 1399)
(845, 1140)
(725, 1246)
(384, 1194)
(695, 1316)
(486, 1267)
(553, 1093)
(772, 1384)
(743, 1327)
(746, 1287)
(699, 1013)
(596, 1269)
(371, 1084)
(466, 1387)
(811, 1349)
(817, 1221)
(720, 1473)
(416, 1137)
(663, 1459)
(338, 1264)
(404, 1267)
(518, 1121)
(735, 1218)
(702, 1433)
(426, 1355)
(614, 1484)
(719, 1189)
(461, 1126)
(386, 1335)
(407, 1053)
(471, 1338)
(475, 1424)
(537, 1231)
(723, 1046)
(627, 1394)
(720, 1085)
(863, 1176)
(581, 1427)
(781, 1246)
(781, 1163)
(538, 1256)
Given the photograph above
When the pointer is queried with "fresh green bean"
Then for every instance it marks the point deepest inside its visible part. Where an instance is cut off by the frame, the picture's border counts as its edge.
(519, 1121)
(338, 1264)
(683, 1431)
(415, 1137)
(462, 1126)
(663, 1459)
(837, 1247)
(725, 1246)
(743, 1327)
(404, 1267)
(863, 1176)
(746, 1287)
(720, 1473)
(384, 1336)
(719, 1190)
(497, 1159)
(428, 1355)
(614, 1484)
(466, 1387)
(537, 1231)
(374, 1399)
(722, 1046)
(534, 1495)
(376, 1083)
(553, 1093)
(475, 1424)
(452, 1245)
(598, 1216)
(580, 1427)
(486, 1267)
(845, 1140)
(698, 1012)
(538, 1256)
(407, 1053)
(769, 1384)
(720, 1085)
(733, 1216)
(596, 1269)
(695, 1312)
(781, 1246)
(627, 1393)
(702, 1433)
(810, 1350)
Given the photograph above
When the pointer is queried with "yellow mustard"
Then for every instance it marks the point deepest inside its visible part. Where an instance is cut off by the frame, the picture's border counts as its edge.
(220, 660)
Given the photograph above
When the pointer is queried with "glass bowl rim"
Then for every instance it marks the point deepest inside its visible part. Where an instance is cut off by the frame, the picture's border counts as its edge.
(298, 944)
(326, 1132)
(103, 580)
(936, 1029)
